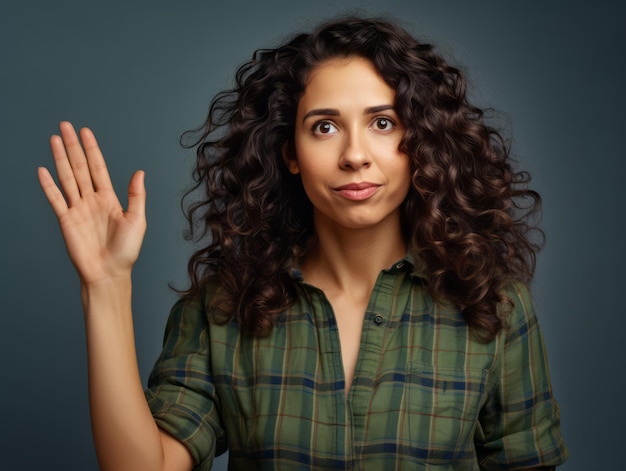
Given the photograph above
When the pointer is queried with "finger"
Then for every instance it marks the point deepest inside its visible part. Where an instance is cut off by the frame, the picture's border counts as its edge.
(67, 179)
(52, 192)
(97, 165)
(77, 158)
(137, 195)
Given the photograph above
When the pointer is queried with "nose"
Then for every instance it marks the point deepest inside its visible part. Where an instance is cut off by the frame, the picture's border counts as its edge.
(354, 154)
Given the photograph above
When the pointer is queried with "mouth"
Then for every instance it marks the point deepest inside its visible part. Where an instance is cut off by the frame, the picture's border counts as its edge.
(357, 191)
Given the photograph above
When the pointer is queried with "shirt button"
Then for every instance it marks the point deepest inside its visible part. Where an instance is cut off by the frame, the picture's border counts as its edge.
(378, 319)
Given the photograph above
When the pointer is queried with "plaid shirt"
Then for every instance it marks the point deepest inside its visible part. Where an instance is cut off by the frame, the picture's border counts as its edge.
(425, 393)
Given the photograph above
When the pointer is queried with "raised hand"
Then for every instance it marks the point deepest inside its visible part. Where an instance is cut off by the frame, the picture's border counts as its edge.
(103, 240)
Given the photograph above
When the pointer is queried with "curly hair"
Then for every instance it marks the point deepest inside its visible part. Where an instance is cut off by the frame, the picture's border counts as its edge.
(467, 217)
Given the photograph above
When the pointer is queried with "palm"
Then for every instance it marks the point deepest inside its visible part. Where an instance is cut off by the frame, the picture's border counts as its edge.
(103, 240)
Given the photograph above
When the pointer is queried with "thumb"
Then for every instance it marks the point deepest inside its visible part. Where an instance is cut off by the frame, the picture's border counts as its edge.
(137, 195)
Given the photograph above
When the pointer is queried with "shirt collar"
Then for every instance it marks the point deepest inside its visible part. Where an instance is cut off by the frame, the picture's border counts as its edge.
(408, 264)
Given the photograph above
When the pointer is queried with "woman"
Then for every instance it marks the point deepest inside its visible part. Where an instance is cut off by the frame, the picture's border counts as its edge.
(358, 300)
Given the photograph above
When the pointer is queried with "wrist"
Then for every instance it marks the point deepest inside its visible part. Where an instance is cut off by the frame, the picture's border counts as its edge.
(113, 292)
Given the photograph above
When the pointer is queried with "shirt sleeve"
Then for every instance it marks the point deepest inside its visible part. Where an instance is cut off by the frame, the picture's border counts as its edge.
(519, 424)
(181, 393)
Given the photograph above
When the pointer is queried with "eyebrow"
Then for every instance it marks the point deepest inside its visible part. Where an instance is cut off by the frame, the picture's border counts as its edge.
(335, 112)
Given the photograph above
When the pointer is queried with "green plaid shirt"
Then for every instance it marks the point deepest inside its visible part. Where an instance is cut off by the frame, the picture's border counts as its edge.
(426, 395)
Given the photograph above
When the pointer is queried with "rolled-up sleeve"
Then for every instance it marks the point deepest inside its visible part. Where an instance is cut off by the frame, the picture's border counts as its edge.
(519, 425)
(180, 392)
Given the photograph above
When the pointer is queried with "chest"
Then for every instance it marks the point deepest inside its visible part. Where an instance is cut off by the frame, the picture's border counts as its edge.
(349, 315)
(414, 395)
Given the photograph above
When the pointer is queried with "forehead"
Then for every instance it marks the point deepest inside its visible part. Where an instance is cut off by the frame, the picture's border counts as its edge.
(346, 79)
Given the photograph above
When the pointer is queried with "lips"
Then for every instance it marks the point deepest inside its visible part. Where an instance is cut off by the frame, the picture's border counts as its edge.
(357, 191)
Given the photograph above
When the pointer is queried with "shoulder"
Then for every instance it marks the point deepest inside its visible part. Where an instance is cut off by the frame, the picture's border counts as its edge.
(517, 310)
(192, 311)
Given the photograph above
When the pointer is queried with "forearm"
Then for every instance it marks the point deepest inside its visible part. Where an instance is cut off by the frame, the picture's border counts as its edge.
(125, 434)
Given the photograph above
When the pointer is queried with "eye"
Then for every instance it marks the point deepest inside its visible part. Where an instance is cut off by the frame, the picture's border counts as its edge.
(324, 128)
(382, 123)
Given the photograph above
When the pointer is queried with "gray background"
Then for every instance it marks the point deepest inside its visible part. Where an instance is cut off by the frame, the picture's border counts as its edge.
(139, 75)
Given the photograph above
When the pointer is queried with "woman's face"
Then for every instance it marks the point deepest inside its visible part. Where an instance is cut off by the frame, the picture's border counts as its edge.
(346, 147)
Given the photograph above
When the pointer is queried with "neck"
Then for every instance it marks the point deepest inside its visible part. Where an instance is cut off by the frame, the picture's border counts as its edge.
(349, 260)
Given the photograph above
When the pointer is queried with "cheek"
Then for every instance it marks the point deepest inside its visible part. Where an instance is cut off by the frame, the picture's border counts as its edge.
(401, 170)
(314, 162)
(312, 179)
(404, 183)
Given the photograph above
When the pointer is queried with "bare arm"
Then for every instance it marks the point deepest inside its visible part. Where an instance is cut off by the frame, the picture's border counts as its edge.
(103, 242)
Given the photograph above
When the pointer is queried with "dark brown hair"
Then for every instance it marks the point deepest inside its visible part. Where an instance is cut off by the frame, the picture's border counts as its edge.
(467, 216)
